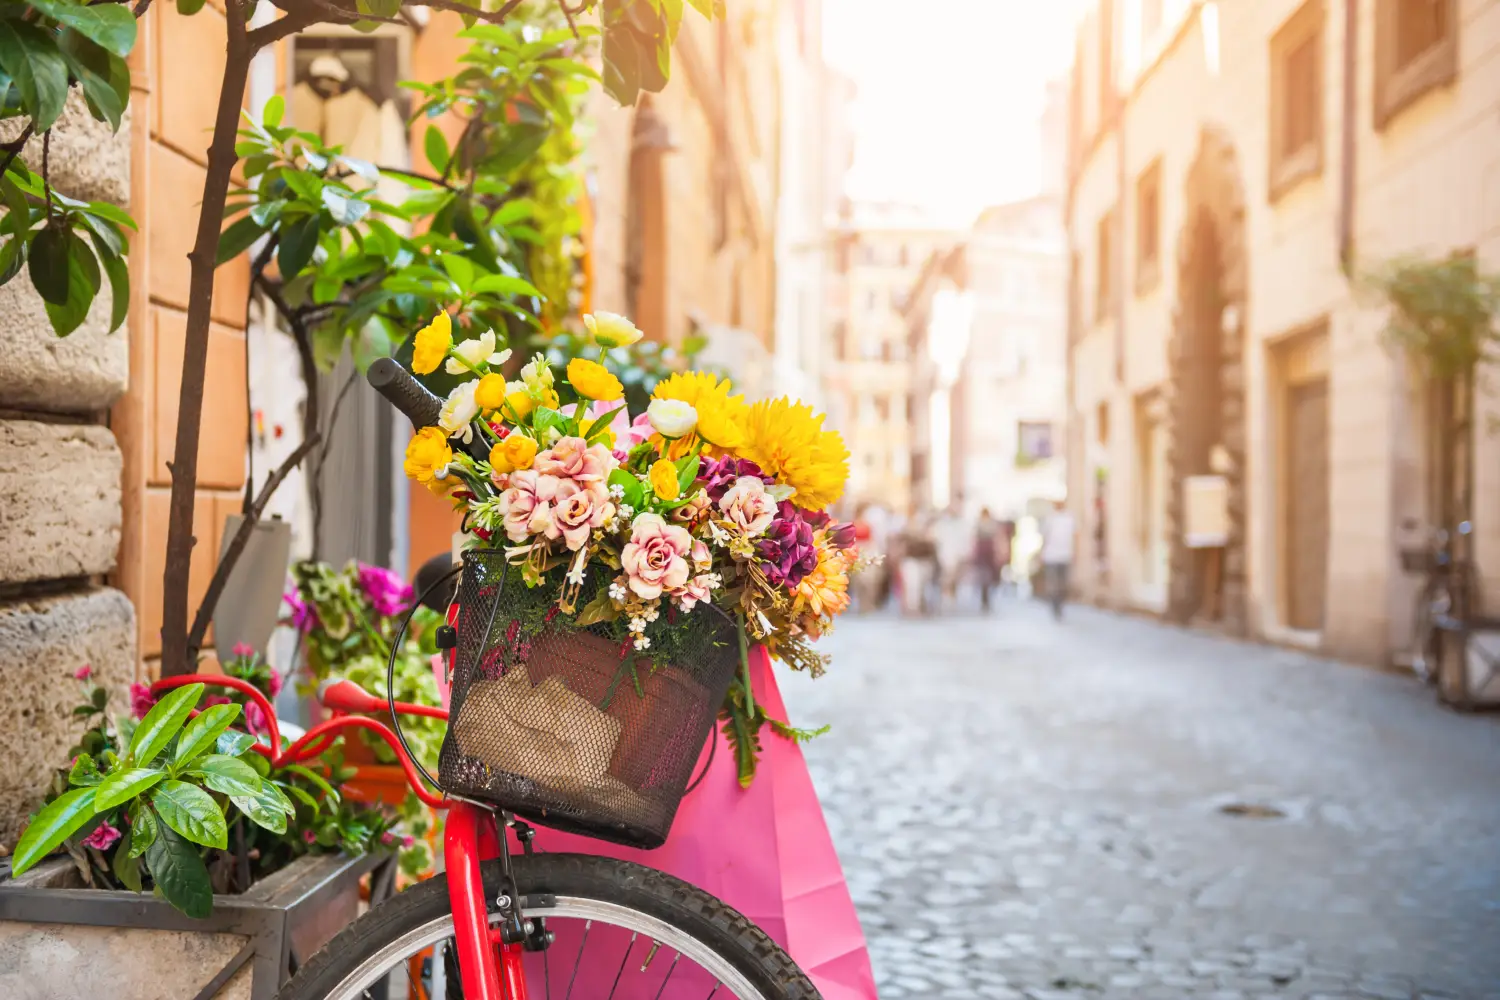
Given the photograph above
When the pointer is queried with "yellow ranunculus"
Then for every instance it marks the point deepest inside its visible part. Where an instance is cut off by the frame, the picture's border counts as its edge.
(550, 399)
(518, 403)
(611, 330)
(427, 452)
(663, 477)
(490, 392)
(516, 452)
(432, 344)
(592, 380)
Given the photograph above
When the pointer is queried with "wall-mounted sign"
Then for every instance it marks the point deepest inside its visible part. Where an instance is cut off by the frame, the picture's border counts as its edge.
(1205, 504)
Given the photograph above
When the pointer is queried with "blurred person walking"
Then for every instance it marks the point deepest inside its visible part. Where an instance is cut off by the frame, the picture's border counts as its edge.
(868, 586)
(918, 566)
(1058, 537)
(990, 544)
(953, 540)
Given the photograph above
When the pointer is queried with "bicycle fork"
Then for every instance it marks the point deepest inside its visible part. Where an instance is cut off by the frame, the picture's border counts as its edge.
(489, 959)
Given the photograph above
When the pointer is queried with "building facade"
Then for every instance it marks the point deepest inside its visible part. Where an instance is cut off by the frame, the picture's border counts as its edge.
(1233, 169)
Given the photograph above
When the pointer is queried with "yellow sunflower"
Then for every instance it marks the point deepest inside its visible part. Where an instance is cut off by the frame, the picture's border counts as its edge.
(787, 440)
(721, 417)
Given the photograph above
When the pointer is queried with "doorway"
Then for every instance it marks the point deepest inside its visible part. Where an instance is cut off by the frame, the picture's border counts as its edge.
(1307, 504)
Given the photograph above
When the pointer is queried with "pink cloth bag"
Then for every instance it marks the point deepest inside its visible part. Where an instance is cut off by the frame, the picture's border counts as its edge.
(764, 850)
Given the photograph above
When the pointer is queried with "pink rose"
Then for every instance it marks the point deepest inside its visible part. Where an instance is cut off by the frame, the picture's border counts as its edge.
(695, 590)
(572, 458)
(703, 559)
(83, 673)
(574, 512)
(141, 700)
(655, 557)
(748, 506)
(518, 504)
(103, 837)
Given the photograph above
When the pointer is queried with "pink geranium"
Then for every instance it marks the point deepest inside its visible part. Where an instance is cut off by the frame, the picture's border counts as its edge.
(141, 700)
(83, 673)
(103, 837)
(655, 558)
(243, 650)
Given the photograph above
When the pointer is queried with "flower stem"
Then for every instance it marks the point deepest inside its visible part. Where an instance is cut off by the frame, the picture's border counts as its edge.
(739, 621)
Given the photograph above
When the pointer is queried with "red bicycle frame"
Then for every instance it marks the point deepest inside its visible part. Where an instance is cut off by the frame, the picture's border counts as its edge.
(488, 968)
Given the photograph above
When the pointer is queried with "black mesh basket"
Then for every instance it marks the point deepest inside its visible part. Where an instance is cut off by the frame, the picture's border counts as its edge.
(569, 726)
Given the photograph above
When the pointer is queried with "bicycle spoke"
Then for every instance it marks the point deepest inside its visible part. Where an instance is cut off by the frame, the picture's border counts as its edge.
(713, 992)
(588, 925)
(670, 969)
(621, 971)
(547, 971)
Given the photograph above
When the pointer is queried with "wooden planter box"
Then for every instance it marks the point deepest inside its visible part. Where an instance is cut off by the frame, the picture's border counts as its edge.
(72, 943)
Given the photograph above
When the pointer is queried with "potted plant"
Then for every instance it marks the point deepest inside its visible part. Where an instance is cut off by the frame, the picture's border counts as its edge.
(247, 865)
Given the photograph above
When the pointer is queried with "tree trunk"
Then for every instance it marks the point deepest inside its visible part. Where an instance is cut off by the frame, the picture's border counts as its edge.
(221, 161)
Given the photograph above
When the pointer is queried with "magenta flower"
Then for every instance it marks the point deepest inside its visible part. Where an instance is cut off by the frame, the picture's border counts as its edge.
(274, 683)
(387, 838)
(719, 475)
(103, 838)
(255, 719)
(83, 673)
(407, 842)
(141, 700)
(389, 595)
(302, 617)
(210, 701)
(243, 650)
(309, 836)
(787, 553)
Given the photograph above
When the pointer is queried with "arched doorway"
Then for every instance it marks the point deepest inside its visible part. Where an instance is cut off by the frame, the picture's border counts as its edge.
(646, 224)
(1206, 384)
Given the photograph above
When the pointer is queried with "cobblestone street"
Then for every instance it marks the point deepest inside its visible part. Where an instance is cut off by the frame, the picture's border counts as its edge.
(1110, 808)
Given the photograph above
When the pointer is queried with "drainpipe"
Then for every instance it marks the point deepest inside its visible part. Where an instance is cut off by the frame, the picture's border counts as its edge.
(1348, 128)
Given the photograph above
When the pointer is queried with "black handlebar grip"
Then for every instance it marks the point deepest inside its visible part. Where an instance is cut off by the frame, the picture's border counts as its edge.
(404, 392)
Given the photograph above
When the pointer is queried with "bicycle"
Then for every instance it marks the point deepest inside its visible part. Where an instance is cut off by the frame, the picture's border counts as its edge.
(490, 925)
(1449, 592)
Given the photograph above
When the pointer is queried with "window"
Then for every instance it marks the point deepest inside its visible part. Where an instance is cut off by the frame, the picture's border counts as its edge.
(1148, 229)
(1416, 50)
(1104, 266)
(882, 409)
(1296, 145)
(1033, 442)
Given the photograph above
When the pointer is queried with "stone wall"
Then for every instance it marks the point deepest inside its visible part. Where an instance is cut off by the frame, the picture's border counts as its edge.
(60, 495)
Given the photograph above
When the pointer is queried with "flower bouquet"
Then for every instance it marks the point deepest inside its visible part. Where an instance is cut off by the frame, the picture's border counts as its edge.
(650, 549)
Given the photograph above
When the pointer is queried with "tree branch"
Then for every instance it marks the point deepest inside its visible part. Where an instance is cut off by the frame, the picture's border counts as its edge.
(221, 161)
(415, 175)
(14, 147)
(237, 546)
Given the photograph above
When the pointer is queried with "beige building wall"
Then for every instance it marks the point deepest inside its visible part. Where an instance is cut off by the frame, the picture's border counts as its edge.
(1428, 182)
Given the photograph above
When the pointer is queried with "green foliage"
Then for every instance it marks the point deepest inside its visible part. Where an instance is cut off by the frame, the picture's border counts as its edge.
(1442, 312)
(638, 37)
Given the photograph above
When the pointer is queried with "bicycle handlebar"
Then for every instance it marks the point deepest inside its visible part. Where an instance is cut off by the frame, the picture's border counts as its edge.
(404, 392)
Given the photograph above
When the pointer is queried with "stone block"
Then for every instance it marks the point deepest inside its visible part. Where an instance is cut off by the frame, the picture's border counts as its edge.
(59, 500)
(43, 642)
(86, 160)
(84, 371)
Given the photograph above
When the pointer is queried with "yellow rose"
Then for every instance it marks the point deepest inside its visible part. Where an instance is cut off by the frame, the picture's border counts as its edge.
(490, 392)
(427, 452)
(514, 453)
(663, 477)
(432, 344)
(611, 330)
(592, 380)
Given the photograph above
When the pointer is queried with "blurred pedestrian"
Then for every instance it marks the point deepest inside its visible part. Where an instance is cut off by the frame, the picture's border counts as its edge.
(953, 540)
(867, 584)
(989, 540)
(1058, 538)
(918, 566)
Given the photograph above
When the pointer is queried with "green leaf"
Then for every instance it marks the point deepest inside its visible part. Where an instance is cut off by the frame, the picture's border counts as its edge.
(162, 723)
(125, 784)
(180, 874)
(49, 262)
(55, 823)
(260, 811)
(600, 609)
(85, 772)
(315, 779)
(257, 762)
(599, 426)
(228, 775)
(238, 237)
(635, 490)
(687, 471)
(119, 287)
(84, 282)
(29, 54)
(188, 8)
(109, 25)
(192, 812)
(274, 110)
(504, 284)
(460, 269)
(11, 258)
(143, 827)
(112, 213)
(435, 144)
(543, 418)
(298, 241)
(125, 865)
(234, 743)
(346, 210)
(300, 794)
(100, 74)
(203, 732)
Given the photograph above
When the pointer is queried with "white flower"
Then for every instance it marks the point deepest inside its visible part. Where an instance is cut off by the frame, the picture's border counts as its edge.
(616, 491)
(652, 615)
(611, 330)
(626, 511)
(476, 352)
(617, 592)
(459, 409)
(643, 643)
(672, 418)
(537, 375)
(579, 568)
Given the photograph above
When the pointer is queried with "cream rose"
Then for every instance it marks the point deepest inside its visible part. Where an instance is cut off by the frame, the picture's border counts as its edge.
(748, 506)
(655, 558)
(672, 418)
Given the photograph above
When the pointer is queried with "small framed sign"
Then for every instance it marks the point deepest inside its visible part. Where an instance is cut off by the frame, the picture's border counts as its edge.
(1205, 503)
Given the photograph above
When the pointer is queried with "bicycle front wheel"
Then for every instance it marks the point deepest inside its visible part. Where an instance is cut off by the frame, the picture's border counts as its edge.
(619, 932)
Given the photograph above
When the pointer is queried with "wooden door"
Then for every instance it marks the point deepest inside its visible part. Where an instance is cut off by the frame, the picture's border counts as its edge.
(1307, 514)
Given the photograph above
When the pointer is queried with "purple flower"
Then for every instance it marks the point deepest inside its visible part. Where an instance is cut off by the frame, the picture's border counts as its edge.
(141, 700)
(302, 618)
(719, 474)
(103, 838)
(786, 551)
(389, 595)
(842, 536)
